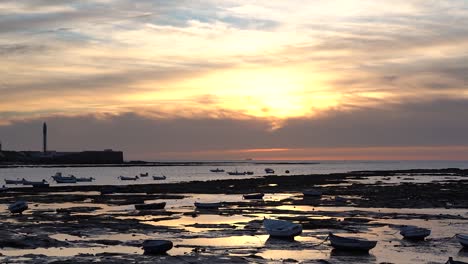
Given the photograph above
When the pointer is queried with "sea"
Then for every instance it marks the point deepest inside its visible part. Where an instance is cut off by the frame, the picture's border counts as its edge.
(185, 171)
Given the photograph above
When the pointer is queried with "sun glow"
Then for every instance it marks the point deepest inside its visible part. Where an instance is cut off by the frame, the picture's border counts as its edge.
(267, 93)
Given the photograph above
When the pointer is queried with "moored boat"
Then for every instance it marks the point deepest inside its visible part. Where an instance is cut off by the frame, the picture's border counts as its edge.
(253, 196)
(17, 181)
(282, 229)
(236, 172)
(208, 205)
(157, 246)
(150, 206)
(85, 179)
(414, 233)
(159, 178)
(65, 179)
(217, 170)
(18, 207)
(351, 243)
(126, 178)
(312, 193)
(463, 239)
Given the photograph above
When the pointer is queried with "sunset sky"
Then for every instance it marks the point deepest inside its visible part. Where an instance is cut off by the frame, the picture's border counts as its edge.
(309, 80)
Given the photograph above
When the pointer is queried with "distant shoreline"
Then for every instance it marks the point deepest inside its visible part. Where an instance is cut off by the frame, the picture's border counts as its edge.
(159, 164)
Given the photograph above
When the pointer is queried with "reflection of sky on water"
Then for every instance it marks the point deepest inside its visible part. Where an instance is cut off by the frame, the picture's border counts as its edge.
(219, 240)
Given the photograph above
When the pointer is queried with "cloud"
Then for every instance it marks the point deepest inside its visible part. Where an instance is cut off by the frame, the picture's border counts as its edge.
(389, 130)
(275, 61)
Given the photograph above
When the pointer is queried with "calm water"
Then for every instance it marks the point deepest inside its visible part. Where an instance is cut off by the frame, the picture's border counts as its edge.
(109, 175)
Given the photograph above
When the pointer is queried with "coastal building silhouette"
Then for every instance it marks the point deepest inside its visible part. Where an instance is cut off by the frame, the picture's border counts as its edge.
(46, 156)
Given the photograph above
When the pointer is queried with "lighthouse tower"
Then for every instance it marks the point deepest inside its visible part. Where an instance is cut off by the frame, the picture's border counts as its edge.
(44, 137)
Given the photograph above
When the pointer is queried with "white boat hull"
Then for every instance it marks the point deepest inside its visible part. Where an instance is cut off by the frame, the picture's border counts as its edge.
(463, 239)
(351, 243)
(415, 233)
(282, 229)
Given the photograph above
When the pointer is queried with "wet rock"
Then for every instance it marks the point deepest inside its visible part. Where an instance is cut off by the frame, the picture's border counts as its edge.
(29, 241)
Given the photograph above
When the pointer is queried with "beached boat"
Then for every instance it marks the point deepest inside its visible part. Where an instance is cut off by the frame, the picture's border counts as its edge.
(208, 205)
(312, 193)
(126, 178)
(351, 243)
(236, 172)
(150, 206)
(451, 261)
(85, 179)
(463, 239)
(281, 228)
(144, 174)
(217, 170)
(269, 170)
(414, 233)
(18, 207)
(17, 181)
(156, 246)
(159, 178)
(253, 196)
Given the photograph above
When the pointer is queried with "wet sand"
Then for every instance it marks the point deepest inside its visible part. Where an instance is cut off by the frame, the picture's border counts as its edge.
(77, 224)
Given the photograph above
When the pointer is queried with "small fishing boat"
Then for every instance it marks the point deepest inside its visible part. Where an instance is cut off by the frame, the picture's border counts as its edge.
(63, 179)
(17, 181)
(282, 229)
(463, 239)
(236, 172)
(414, 233)
(144, 174)
(217, 170)
(85, 179)
(269, 170)
(351, 243)
(451, 261)
(208, 205)
(18, 207)
(159, 178)
(249, 172)
(312, 193)
(253, 196)
(150, 206)
(156, 246)
(126, 178)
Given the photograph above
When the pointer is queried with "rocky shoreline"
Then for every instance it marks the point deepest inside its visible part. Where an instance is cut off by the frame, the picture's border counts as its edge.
(79, 224)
